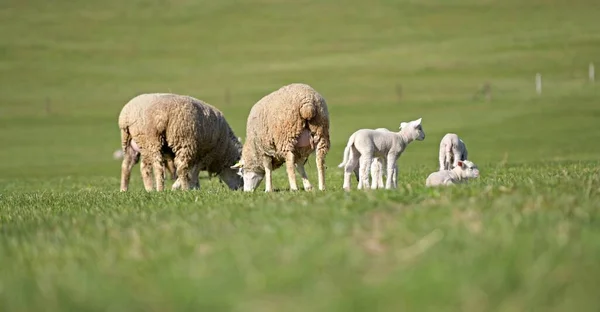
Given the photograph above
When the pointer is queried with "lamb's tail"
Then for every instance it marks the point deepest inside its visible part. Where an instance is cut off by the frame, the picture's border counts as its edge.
(347, 151)
(308, 111)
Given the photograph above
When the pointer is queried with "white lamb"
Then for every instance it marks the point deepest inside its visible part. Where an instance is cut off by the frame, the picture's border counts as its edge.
(452, 150)
(367, 144)
(376, 166)
(463, 171)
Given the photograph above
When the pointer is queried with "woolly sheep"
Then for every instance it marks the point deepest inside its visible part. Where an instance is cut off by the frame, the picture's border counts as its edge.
(196, 133)
(463, 171)
(452, 149)
(285, 126)
(376, 166)
(367, 144)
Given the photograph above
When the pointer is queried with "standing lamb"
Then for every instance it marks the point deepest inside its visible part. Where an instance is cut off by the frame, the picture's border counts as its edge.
(367, 144)
(376, 166)
(452, 150)
(196, 133)
(285, 126)
(463, 171)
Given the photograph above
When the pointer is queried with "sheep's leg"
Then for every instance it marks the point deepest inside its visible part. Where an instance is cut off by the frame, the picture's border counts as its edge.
(382, 164)
(456, 156)
(365, 164)
(290, 162)
(267, 163)
(194, 180)
(146, 170)
(183, 173)
(302, 172)
(171, 168)
(320, 159)
(391, 163)
(159, 170)
(126, 166)
(351, 166)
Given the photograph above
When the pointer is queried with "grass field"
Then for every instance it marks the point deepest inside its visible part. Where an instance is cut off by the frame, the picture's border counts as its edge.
(524, 237)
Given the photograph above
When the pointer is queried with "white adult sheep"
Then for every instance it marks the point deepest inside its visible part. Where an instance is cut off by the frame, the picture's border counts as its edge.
(367, 144)
(463, 171)
(285, 126)
(452, 150)
(376, 166)
(196, 133)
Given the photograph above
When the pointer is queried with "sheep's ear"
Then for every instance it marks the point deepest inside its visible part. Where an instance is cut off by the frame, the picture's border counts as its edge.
(460, 163)
(239, 164)
(403, 124)
(417, 122)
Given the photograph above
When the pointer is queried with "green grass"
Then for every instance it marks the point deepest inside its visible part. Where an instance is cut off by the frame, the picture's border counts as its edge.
(524, 237)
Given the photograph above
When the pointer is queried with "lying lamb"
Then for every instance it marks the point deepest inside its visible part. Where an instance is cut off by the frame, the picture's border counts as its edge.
(285, 126)
(195, 132)
(463, 171)
(452, 149)
(367, 144)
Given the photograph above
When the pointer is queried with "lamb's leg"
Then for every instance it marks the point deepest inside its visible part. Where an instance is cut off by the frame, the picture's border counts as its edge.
(382, 164)
(267, 163)
(320, 159)
(442, 158)
(302, 172)
(146, 171)
(456, 156)
(365, 164)
(375, 172)
(350, 167)
(391, 163)
(126, 166)
(290, 162)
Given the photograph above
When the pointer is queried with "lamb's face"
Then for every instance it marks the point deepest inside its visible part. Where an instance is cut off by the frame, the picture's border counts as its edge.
(231, 177)
(469, 169)
(414, 129)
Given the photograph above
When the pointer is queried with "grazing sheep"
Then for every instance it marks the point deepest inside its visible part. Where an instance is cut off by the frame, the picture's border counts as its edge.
(452, 149)
(285, 126)
(195, 133)
(376, 165)
(367, 144)
(463, 171)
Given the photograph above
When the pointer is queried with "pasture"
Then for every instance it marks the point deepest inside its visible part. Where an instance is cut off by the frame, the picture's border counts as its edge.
(524, 236)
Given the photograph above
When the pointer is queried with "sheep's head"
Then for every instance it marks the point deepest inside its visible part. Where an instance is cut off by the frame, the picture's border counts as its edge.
(230, 177)
(252, 179)
(468, 169)
(413, 129)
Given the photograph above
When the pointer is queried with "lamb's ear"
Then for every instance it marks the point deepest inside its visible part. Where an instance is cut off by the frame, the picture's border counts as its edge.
(417, 122)
(403, 124)
(461, 164)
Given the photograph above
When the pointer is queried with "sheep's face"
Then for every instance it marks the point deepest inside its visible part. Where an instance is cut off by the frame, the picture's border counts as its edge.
(469, 169)
(231, 177)
(413, 129)
(251, 179)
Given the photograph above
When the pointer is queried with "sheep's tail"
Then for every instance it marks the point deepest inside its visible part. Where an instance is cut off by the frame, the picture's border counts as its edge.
(347, 152)
(125, 139)
(308, 111)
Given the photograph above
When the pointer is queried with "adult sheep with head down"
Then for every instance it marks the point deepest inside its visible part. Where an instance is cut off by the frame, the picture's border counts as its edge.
(195, 132)
(285, 126)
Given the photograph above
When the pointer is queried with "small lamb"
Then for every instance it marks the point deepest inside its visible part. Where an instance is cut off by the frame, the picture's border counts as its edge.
(366, 144)
(376, 165)
(463, 171)
(452, 150)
